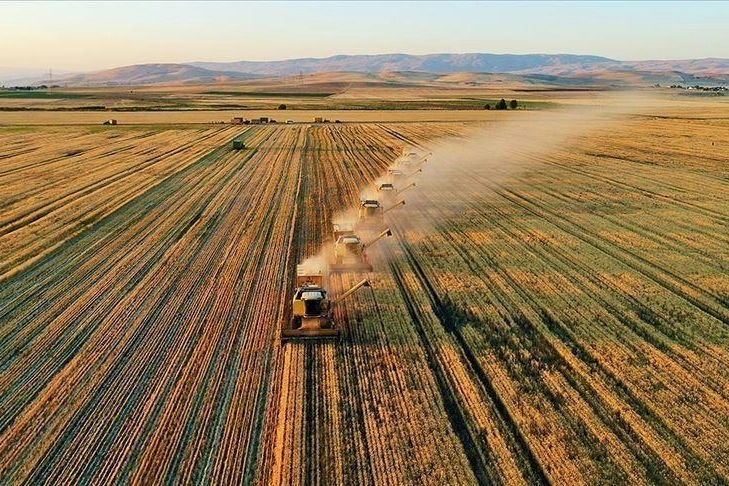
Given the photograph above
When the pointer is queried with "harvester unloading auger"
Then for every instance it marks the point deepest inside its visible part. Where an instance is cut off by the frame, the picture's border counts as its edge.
(311, 310)
(400, 191)
(349, 253)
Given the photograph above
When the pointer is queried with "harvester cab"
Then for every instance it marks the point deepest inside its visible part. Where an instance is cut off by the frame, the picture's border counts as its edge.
(341, 229)
(311, 308)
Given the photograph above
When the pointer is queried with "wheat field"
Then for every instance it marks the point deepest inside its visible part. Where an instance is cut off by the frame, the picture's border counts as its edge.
(552, 308)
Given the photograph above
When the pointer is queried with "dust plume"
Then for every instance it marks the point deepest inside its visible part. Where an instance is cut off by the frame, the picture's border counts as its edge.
(346, 217)
(317, 264)
(496, 151)
(492, 153)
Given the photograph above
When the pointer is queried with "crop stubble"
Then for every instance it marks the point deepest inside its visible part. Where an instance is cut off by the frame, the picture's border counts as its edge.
(564, 323)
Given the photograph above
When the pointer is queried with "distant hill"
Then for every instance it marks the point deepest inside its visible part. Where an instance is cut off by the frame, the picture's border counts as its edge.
(699, 67)
(153, 74)
(561, 65)
(543, 68)
(431, 63)
(10, 76)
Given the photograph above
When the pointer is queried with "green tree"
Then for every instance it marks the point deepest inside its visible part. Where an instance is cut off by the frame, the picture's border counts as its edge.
(513, 104)
(501, 105)
(281, 106)
(487, 107)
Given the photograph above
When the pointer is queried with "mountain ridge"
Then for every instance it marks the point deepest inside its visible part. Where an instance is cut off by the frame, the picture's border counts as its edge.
(435, 63)
(561, 67)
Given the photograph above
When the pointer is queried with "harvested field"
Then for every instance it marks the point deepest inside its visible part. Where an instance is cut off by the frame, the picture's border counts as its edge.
(210, 116)
(550, 309)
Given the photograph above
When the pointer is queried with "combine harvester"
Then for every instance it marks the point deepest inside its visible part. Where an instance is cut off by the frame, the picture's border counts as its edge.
(410, 160)
(386, 189)
(311, 310)
(349, 252)
(395, 174)
(406, 166)
(371, 214)
(388, 192)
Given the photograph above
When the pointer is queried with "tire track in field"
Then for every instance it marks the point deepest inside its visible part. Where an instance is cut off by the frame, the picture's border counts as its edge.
(657, 273)
(724, 218)
(532, 468)
(694, 459)
(163, 194)
(36, 212)
(465, 345)
(651, 460)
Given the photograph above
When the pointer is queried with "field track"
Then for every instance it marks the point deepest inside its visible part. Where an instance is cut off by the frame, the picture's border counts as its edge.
(554, 317)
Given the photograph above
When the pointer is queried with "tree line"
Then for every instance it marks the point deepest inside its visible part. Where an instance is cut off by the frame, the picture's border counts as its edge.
(502, 105)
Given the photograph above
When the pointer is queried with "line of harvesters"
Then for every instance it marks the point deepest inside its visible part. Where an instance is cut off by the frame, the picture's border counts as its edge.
(310, 315)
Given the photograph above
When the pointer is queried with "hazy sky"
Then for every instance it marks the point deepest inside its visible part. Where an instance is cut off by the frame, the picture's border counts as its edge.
(99, 35)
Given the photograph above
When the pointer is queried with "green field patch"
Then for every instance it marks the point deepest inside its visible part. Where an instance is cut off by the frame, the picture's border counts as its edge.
(40, 94)
(270, 94)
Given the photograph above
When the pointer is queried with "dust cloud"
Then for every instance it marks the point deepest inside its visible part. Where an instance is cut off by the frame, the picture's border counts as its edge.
(499, 150)
(317, 264)
(493, 151)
